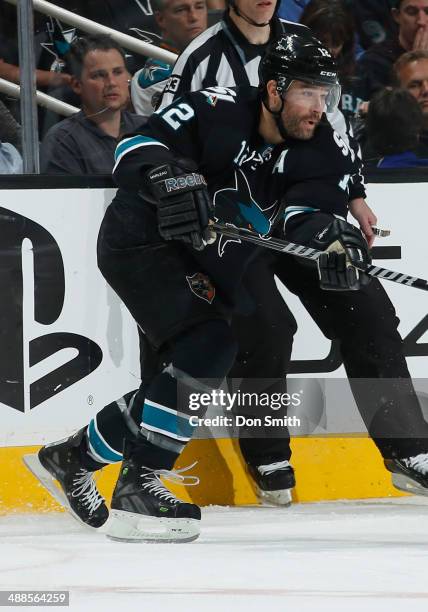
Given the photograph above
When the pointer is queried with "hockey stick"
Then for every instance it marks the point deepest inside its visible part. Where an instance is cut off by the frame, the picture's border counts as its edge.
(284, 246)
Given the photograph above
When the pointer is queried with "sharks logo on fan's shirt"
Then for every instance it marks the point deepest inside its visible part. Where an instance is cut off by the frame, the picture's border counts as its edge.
(154, 71)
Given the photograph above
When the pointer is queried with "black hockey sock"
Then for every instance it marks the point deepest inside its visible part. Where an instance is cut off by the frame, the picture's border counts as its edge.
(149, 455)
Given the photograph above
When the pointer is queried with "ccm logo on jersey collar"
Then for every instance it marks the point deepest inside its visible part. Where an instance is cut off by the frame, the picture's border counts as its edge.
(189, 180)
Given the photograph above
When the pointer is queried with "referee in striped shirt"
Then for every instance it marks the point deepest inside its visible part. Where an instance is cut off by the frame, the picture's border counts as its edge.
(228, 53)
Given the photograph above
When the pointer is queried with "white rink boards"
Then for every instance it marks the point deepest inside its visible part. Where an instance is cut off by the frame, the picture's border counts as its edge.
(90, 310)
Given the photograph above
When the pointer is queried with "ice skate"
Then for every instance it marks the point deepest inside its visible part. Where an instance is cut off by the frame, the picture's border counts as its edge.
(75, 487)
(410, 474)
(274, 482)
(144, 510)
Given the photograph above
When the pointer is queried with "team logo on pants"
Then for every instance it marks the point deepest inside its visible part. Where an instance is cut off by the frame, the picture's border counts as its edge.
(201, 286)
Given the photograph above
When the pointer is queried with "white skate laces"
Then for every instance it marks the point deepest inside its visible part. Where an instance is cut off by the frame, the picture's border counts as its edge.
(154, 485)
(273, 467)
(85, 488)
(419, 463)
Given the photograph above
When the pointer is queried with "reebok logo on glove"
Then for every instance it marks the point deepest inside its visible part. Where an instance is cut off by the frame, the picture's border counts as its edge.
(181, 182)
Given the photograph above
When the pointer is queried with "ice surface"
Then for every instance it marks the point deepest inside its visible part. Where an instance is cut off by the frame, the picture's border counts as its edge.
(347, 556)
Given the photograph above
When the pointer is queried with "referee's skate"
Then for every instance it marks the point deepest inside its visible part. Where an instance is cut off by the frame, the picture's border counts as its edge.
(274, 482)
(410, 474)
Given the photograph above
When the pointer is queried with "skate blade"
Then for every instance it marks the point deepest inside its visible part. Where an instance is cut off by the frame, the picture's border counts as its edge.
(48, 482)
(406, 484)
(130, 527)
(282, 497)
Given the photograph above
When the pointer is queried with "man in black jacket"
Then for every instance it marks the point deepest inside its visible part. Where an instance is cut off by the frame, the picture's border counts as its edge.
(228, 54)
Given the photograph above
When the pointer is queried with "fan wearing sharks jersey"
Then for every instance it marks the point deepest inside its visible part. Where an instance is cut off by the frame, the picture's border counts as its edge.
(180, 21)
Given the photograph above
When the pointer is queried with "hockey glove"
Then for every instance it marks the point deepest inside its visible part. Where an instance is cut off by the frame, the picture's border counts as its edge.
(345, 248)
(184, 207)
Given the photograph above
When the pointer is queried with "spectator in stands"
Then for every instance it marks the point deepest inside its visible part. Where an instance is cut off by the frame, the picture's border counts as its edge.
(375, 66)
(394, 123)
(49, 78)
(45, 79)
(333, 24)
(10, 130)
(180, 21)
(44, 57)
(10, 159)
(411, 71)
(85, 143)
(374, 21)
(132, 17)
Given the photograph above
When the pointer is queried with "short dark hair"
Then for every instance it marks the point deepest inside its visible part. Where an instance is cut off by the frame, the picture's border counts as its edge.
(83, 45)
(394, 121)
(333, 19)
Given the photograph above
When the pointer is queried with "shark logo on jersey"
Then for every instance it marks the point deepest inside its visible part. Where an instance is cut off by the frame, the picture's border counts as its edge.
(212, 100)
(59, 45)
(145, 6)
(236, 207)
(201, 286)
(146, 36)
(153, 73)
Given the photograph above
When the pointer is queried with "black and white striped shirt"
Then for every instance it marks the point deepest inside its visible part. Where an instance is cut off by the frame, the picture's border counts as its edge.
(221, 56)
